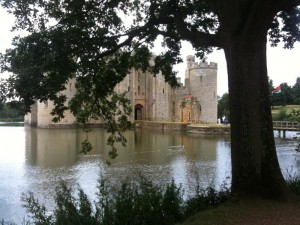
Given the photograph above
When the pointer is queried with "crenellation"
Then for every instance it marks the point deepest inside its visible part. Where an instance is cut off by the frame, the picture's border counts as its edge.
(203, 65)
(213, 65)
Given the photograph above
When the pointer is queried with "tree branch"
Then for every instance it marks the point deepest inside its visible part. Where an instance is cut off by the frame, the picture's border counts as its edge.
(260, 16)
(131, 35)
(198, 39)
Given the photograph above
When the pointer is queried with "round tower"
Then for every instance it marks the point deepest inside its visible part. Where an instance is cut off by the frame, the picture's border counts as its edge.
(203, 85)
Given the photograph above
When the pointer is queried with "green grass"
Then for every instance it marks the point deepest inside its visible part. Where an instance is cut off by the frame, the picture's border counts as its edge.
(281, 111)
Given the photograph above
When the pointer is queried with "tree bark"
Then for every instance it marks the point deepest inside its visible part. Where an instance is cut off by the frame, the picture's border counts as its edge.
(255, 167)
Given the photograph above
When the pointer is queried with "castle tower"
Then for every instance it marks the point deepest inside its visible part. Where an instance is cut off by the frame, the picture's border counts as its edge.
(201, 83)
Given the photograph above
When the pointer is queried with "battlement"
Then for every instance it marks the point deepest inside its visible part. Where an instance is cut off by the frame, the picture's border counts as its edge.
(204, 65)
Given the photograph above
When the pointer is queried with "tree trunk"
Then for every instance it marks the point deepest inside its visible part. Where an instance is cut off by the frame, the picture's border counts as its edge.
(255, 167)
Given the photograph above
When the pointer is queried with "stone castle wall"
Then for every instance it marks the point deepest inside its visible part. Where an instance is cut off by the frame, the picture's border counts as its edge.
(40, 115)
(152, 98)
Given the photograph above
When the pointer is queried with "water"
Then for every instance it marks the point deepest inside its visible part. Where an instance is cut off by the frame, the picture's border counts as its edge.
(36, 160)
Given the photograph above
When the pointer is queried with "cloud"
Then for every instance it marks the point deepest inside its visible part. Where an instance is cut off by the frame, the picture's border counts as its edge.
(5, 34)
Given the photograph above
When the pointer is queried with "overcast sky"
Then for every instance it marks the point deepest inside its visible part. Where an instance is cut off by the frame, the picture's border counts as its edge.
(283, 65)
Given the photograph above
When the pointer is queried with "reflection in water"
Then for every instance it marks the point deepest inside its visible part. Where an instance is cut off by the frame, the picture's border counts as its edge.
(12, 160)
(51, 148)
(37, 159)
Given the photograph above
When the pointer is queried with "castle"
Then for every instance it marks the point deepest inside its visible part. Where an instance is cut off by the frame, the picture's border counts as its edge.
(152, 98)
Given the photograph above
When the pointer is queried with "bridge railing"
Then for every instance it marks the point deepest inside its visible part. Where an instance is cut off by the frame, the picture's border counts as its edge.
(286, 125)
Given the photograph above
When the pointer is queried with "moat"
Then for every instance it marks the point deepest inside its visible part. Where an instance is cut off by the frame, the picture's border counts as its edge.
(35, 160)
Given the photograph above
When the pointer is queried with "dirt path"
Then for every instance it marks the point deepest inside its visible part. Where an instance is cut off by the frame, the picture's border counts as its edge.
(251, 212)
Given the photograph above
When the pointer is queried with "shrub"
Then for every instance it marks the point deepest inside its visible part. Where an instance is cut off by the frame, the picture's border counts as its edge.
(294, 115)
(135, 203)
(206, 198)
(294, 184)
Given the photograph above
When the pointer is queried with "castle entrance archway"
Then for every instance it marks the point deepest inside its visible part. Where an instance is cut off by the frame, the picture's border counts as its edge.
(138, 112)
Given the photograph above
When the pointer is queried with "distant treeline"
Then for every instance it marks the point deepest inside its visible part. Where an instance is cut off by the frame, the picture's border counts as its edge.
(11, 111)
(289, 95)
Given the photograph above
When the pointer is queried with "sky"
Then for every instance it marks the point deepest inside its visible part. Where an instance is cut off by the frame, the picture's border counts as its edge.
(283, 65)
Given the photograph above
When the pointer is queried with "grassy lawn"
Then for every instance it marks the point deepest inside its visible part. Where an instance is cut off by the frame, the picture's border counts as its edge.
(249, 211)
(288, 108)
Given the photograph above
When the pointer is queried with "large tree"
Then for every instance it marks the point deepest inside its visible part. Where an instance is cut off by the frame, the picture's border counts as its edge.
(223, 106)
(99, 40)
(285, 97)
(296, 91)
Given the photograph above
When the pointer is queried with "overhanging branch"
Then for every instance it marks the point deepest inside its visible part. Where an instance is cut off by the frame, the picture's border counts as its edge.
(198, 39)
(131, 35)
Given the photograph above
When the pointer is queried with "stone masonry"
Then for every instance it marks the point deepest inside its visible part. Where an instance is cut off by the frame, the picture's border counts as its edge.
(152, 98)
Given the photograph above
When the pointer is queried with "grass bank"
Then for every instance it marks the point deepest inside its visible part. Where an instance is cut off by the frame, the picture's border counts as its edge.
(252, 211)
(280, 112)
(249, 212)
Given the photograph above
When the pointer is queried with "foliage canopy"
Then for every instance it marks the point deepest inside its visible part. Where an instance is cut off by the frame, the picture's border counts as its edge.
(289, 95)
(100, 41)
